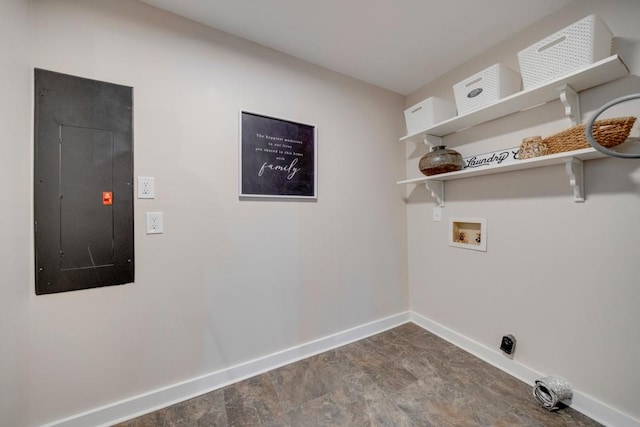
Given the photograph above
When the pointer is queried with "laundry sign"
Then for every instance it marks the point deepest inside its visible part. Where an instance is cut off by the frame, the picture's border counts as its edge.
(502, 157)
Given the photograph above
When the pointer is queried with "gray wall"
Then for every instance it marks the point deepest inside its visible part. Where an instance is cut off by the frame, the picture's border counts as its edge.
(15, 234)
(562, 276)
(229, 280)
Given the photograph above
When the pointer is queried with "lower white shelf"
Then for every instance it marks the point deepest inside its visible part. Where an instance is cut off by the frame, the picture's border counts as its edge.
(571, 159)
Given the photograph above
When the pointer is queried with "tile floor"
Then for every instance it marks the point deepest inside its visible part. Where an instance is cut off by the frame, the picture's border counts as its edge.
(402, 377)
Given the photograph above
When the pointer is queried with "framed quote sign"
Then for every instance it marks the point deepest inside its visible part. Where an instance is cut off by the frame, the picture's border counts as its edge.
(277, 158)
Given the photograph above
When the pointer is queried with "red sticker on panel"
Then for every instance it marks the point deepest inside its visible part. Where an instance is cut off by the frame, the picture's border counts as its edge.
(107, 198)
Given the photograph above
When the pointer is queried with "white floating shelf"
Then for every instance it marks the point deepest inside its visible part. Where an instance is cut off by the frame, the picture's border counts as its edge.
(536, 162)
(571, 159)
(603, 71)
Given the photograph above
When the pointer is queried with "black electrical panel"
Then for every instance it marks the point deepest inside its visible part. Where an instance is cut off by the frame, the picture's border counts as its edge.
(83, 195)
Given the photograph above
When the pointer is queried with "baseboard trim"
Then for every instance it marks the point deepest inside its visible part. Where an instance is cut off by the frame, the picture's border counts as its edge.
(148, 402)
(591, 407)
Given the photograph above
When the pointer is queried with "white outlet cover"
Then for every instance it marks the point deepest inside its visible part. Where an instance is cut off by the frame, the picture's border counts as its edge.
(154, 223)
(437, 213)
(146, 187)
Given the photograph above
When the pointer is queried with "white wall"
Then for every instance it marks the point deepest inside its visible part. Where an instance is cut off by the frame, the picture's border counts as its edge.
(15, 214)
(562, 276)
(229, 280)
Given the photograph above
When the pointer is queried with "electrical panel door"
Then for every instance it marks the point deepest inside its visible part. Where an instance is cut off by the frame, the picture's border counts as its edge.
(83, 183)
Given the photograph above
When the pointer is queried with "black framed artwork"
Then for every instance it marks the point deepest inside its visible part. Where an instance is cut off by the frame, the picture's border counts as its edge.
(278, 157)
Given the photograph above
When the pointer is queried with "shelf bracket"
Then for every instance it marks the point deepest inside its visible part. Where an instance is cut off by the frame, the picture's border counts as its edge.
(432, 141)
(571, 101)
(574, 169)
(437, 191)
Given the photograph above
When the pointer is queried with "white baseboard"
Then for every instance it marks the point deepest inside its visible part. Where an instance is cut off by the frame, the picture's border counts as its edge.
(175, 393)
(157, 399)
(581, 402)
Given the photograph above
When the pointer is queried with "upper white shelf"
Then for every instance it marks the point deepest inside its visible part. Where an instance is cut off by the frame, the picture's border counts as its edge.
(535, 162)
(606, 70)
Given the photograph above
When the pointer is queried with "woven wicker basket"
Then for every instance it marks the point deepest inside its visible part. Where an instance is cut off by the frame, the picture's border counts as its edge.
(608, 133)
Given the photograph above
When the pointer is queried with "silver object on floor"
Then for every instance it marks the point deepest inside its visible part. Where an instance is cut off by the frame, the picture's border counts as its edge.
(551, 390)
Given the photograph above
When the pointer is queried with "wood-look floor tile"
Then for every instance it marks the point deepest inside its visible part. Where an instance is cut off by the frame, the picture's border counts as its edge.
(380, 410)
(567, 417)
(418, 364)
(402, 377)
(153, 419)
(253, 402)
(384, 338)
(408, 329)
(361, 357)
(366, 345)
(358, 402)
(334, 367)
(397, 350)
(208, 409)
(300, 382)
(438, 403)
(515, 419)
(426, 340)
(332, 409)
(389, 375)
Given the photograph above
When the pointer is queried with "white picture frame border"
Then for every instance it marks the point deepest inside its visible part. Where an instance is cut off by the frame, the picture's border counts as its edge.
(248, 196)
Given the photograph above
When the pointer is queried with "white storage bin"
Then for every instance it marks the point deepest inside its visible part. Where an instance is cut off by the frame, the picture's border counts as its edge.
(485, 87)
(431, 111)
(573, 47)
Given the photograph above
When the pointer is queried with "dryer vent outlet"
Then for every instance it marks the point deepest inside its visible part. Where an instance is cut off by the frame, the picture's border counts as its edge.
(508, 344)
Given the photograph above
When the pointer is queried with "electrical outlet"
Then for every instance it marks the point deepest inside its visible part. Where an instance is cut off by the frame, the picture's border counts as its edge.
(146, 187)
(437, 213)
(154, 223)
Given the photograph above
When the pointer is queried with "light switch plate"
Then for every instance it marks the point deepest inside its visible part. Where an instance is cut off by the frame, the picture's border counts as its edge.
(146, 187)
(154, 223)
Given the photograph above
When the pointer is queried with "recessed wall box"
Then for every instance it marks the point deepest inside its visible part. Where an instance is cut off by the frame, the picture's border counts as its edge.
(468, 233)
(508, 344)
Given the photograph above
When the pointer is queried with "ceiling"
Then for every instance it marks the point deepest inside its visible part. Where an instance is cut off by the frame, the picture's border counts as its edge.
(399, 45)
